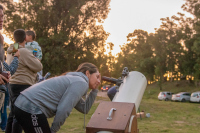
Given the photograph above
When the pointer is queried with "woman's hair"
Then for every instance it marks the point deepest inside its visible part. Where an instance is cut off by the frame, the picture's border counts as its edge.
(84, 67)
(87, 66)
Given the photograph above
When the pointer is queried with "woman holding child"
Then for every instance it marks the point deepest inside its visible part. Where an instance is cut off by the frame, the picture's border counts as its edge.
(56, 97)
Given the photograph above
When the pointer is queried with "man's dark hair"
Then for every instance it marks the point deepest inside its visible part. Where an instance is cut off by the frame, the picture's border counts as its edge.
(19, 35)
(1, 7)
(32, 33)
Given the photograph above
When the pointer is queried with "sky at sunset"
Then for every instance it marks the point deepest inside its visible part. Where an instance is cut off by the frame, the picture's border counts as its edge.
(127, 15)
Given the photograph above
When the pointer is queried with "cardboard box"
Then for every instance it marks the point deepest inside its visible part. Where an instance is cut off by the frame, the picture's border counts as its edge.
(143, 115)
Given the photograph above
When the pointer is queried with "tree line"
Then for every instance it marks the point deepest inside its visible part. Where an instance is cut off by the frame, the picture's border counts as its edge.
(173, 48)
(66, 30)
(70, 32)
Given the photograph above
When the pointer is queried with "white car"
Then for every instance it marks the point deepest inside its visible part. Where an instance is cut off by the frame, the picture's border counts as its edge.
(182, 97)
(165, 96)
(195, 97)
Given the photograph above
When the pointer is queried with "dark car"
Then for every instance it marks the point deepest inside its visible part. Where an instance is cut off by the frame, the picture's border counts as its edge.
(105, 88)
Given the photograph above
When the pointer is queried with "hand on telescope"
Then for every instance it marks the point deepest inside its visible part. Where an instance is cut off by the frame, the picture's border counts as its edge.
(98, 82)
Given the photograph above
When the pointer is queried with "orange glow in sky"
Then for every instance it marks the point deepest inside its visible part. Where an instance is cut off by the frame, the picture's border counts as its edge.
(127, 15)
(7, 40)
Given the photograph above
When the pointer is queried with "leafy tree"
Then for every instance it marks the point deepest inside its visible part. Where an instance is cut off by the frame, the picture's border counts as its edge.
(137, 54)
(142, 52)
(193, 43)
(172, 41)
(67, 30)
(160, 52)
(186, 59)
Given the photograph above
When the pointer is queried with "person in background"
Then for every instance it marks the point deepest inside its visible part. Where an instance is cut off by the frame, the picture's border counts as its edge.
(11, 68)
(57, 97)
(35, 48)
(3, 80)
(24, 77)
(32, 45)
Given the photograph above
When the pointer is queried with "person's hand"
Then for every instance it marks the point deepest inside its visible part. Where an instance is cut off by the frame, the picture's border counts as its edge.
(100, 77)
(3, 78)
(99, 80)
(17, 54)
(9, 75)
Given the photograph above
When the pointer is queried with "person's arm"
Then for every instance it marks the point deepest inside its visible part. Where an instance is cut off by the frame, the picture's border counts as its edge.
(68, 101)
(81, 107)
(30, 60)
(13, 66)
(10, 49)
(39, 53)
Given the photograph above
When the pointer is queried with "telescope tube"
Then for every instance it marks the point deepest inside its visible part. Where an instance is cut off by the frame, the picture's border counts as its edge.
(132, 89)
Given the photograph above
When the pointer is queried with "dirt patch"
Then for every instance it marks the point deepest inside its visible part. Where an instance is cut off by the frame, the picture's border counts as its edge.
(179, 122)
(102, 94)
(98, 101)
(154, 122)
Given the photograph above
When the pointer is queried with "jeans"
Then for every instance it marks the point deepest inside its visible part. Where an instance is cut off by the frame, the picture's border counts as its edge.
(4, 112)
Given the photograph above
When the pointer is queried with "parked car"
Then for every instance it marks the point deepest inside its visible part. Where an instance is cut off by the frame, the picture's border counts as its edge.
(165, 96)
(195, 97)
(105, 88)
(182, 97)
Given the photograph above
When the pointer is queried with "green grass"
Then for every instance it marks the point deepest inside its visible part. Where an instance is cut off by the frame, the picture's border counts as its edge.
(166, 117)
(75, 122)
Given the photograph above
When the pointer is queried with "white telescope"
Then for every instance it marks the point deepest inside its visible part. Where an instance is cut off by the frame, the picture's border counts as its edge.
(132, 89)
(130, 93)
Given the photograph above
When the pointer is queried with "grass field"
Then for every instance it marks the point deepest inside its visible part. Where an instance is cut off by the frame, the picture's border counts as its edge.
(166, 116)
